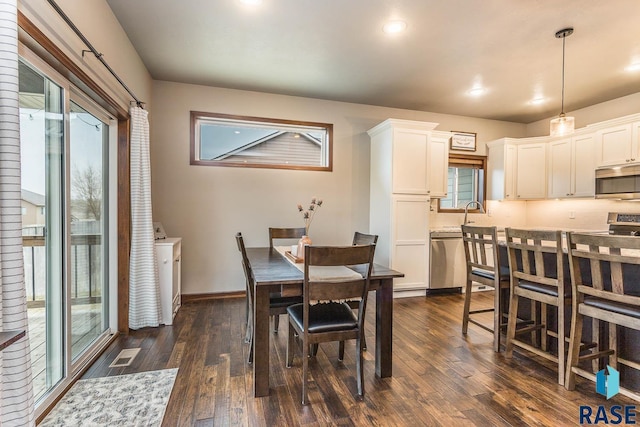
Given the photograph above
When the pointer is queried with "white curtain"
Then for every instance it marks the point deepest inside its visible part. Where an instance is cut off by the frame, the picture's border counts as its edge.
(144, 289)
(16, 391)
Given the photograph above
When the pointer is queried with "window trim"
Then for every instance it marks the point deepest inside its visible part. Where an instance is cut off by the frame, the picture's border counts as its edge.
(456, 159)
(196, 115)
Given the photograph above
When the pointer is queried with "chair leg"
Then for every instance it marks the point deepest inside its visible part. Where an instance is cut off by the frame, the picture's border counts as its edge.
(305, 369)
(544, 336)
(291, 342)
(276, 323)
(250, 355)
(341, 351)
(511, 324)
(467, 305)
(613, 344)
(574, 348)
(359, 366)
(596, 364)
(562, 345)
(497, 317)
(313, 350)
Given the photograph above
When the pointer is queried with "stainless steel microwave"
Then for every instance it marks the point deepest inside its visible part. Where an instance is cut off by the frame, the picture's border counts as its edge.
(618, 182)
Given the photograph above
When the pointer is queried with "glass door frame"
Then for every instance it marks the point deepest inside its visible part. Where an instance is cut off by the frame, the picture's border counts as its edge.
(71, 370)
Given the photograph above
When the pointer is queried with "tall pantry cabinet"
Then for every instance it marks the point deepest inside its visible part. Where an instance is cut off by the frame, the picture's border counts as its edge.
(409, 166)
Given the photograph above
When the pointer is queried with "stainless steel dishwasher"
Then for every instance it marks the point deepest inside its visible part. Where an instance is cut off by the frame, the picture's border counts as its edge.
(447, 264)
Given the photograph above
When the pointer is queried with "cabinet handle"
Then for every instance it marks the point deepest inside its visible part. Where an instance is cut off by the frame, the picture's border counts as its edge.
(568, 194)
(633, 160)
(428, 191)
(164, 261)
(507, 195)
(627, 160)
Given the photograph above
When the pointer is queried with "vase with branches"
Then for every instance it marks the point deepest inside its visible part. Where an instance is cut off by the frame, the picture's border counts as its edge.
(307, 215)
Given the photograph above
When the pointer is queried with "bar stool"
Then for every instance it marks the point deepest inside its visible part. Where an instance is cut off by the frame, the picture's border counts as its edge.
(602, 296)
(483, 266)
(543, 283)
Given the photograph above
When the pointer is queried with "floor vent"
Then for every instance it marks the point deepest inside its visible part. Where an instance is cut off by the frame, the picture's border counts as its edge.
(125, 357)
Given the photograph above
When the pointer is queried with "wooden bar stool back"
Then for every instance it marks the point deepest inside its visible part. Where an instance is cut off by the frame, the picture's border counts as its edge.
(613, 263)
(483, 266)
(543, 283)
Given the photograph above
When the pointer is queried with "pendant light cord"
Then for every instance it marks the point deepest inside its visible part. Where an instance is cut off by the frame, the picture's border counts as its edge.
(562, 107)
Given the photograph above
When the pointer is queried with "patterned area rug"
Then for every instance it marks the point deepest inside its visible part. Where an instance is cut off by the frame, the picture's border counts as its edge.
(123, 400)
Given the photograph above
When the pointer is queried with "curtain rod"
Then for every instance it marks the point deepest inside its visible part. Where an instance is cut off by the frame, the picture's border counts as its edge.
(93, 50)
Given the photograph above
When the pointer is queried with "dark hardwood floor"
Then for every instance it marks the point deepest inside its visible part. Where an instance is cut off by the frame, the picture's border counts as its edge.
(439, 377)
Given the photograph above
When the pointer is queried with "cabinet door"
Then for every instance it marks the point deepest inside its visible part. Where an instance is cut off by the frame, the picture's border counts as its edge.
(531, 173)
(409, 162)
(560, 176)
(583, 166)
(437, 166)
(614, 146)
(510, 168)
(410, 241)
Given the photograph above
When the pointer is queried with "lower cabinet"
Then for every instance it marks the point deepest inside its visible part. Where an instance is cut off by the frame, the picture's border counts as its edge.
(169, 256)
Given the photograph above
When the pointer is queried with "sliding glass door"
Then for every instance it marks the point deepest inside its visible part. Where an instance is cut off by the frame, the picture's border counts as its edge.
(64, 165)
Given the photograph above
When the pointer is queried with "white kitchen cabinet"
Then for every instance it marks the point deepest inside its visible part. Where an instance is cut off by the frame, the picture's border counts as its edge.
(438, 164)
(531, 171)
(616, 145)
(409, 165)
(169, 257)
(571, 167)
(417, 156)
(516, 169)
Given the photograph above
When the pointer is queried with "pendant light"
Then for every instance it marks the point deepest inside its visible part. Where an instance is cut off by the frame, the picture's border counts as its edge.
(562, 125)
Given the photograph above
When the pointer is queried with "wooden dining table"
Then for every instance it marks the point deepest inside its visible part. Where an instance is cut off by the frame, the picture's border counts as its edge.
(273, 273)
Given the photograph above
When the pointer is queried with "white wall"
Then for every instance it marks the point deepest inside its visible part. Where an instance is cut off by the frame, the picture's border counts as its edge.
(206, 206)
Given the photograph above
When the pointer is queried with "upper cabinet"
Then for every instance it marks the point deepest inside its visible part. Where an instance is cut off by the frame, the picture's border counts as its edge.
(410, 157)
(517, 169)
(571, 167)
(616, 146)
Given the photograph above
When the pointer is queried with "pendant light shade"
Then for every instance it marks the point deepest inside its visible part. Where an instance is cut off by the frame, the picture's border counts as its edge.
(562, 125)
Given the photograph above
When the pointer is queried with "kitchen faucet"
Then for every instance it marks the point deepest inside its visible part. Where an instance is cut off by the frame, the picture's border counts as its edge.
(466, 210)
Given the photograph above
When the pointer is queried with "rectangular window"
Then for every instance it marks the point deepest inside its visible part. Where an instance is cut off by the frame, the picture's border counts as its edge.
(466, 183)
(225, 140)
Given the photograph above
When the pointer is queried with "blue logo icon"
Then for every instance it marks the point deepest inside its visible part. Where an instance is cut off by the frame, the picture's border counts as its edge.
(608, 383)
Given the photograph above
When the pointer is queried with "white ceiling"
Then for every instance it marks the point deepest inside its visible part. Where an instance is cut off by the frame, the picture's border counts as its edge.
(335, 49)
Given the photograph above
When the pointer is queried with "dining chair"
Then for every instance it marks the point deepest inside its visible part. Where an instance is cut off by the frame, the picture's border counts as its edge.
(279, 234)
(483, 266)
(277, 303)
(276, 233)
(537, 273)
(324, 315)
(602, 273)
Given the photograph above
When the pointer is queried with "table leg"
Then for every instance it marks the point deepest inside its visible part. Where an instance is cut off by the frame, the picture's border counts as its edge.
(261, 341)
(384, 328)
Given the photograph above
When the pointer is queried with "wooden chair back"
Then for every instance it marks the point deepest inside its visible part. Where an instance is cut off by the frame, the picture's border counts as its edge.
(611, 261)
(364, 239)
(478, 242)
(339, 288)
(285, 233)
(246, 267)
(526, 257)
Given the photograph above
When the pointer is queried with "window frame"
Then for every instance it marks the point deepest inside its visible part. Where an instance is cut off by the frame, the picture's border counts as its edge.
(458, 160)
(197, 116)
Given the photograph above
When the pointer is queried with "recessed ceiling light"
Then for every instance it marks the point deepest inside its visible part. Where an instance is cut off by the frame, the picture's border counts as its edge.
(633, 67)
(251, 2)
(476, 91)
(538, 100)
(393, 27)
